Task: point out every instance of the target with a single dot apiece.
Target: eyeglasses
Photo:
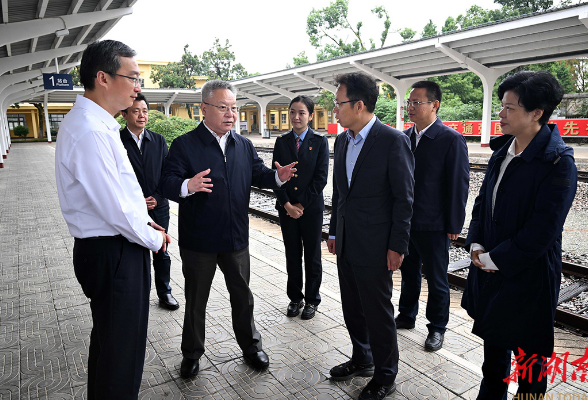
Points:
(408, 103)
(136, 81)
(338, 105)
(224, 109)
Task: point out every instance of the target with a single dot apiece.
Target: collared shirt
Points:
(137, 139)
(510, 155)
(222, 142)
(301, 136)
(354, 147)
(98, 192)
(420, 134)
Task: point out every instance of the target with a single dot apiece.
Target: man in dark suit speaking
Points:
(441, 176)
(209, 172)
(369, 232)
(147, 151)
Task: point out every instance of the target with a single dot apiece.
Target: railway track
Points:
(265, 207)
(474, 167)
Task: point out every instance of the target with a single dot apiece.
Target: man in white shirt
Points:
(105, 211)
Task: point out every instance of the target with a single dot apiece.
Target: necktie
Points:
(297, 143)
(413, 141)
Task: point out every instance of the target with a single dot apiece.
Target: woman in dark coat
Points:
(300, 206)
(515, 234)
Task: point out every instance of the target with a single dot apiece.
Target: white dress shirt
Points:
(222, 142)
(485, 257)
(98, 191)
(138, 139)
(420, 134)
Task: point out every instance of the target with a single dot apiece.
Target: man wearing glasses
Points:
(105, 211)
(147, 151)
(441, 176)
(370, 223)
(209, 172)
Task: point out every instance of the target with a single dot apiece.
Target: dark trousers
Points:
(497, 366)
(303, 235)
(429, 250)
(161, 259)
(199, 269)
(115, 274)
(366, 293)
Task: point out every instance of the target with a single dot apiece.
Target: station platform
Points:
(45, 319)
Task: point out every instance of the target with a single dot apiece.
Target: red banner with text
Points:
(567, 127)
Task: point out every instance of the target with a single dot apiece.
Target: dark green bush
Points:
(20, 131)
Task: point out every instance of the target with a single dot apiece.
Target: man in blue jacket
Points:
(147, 151)
(441, 180)
(209, 171)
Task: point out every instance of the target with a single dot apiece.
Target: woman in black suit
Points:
(300, 205)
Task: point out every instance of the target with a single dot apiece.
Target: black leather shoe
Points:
(434, 341)
(258, 360)
(294, 308)
(168, 301)
(189, 367)
(349, 369)
(403, 323)
(374, 391)
(309, 311)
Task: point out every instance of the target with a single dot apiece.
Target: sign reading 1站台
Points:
(58, 81)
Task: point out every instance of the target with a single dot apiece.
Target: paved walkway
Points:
(45, 319)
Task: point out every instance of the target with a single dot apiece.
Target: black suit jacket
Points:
(312, 164)
(372, 215)
(441, 179)
(147, 162)
(217, 221)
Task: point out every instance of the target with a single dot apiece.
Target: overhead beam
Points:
(276, 89)
(4, 11)
(41, 8)
(374, 72)
(18, 31)
(7, 80)
(320, 84)
(75, 6)
(10, 63)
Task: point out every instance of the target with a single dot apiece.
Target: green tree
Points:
(329, 24)
(430, 29)
(450, 25)
(75, 76)
(526, 6)
(407, 34)
(579, 70)
(300, 59)
(179, 74)
(219, 62)
(386, 109)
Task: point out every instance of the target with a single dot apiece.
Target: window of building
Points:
(196, 110)
(197, 118)
(272, 119)
(161, 108)
(55, 120)
(16, 120)
(142, 81)
(284, 119)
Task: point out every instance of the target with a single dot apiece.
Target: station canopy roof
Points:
(536, 38)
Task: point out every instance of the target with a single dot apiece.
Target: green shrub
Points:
(169, 127)
(20, 131)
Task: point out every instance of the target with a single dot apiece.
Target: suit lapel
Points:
(369, 142)
(340, 157)
(291, 142)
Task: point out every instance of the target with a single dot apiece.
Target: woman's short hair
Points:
(307, 101)
(536, 90)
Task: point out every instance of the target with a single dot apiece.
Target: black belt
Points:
(100, 237)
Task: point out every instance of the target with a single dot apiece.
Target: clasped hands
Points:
(166, 237)
(199, 182)
(294, 210)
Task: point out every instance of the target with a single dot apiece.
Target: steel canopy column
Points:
(488, 77)
(400, 87)
(262, 103)
(46, 108)
(168, 104)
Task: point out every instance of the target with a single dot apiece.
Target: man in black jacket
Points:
(214, 220)
(147, 151)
